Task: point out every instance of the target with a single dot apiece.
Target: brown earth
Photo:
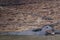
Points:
(29, 16)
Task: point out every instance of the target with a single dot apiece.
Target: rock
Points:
(30, 16)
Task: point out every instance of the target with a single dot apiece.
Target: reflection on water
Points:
(28, 32)
(43, 31)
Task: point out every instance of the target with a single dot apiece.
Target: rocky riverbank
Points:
(30, 16)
